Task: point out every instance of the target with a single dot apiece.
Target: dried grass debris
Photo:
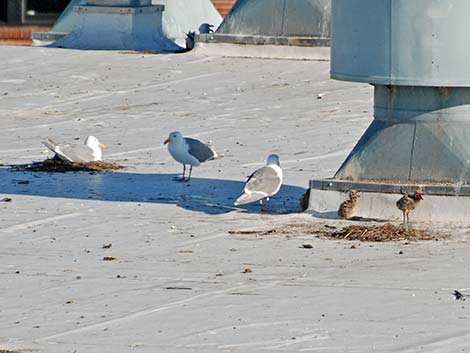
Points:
(55, 165)
(359, 232)
(109, 258)
(260, 233)
(379, 233)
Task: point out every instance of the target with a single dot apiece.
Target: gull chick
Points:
(263, 183)
(346, 209)
(190, 151)
(72, 153)
(409, 203)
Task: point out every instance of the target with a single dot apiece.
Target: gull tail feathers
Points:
(217, 156)
(248, 198)
(50, 144)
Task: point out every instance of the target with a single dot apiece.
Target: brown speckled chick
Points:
(346, 209)
(409, 203)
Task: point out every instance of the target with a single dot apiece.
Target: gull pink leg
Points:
(184, 172)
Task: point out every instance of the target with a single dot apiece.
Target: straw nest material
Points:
(379, 233)
(56, 165)
(367, 233)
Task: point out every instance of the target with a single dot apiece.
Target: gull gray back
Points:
(200, 150)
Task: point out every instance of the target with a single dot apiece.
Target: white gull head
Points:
(96, 146)
(174, 137)
(273, 159)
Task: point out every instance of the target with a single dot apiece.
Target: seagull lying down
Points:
(72, 153)
(263, 183)
(190, 151)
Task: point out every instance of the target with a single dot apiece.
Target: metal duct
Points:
(412, 52)
(102, 27)
(401, 42)
(180, 17)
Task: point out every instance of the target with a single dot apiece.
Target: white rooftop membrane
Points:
(179, 281)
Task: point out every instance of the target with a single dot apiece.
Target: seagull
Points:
(409, 203)
(190, 151)
(263, 183)
(72, 153)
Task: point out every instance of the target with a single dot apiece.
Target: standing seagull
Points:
(409, 203)
(72, 153)
(189, 151)
(263, 183)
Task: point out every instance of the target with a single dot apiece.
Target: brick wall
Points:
(223, 6)
(19, 35)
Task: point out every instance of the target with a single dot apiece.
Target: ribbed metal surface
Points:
(306, 41)
(180, 17)
(124, 10)
(419, 134)
(67, 18)
(389, 188)
(278, 18)
(401, 42)
(118, 28)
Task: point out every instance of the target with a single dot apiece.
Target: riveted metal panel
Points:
(278, 18)
(67, 19)
(401, 42)
(428, 39)
(419, 134)
(118, 28)
(390, 188)
(311, 17)
(379, 154)
(360, 46)
(254, 17)
(442, 152)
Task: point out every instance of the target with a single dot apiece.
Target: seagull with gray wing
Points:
(90, 151)
(263, 183)
(190, 151)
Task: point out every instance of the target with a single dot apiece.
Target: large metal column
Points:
(413, 52)
(419, 134)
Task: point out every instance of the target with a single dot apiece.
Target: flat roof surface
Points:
(180, 282)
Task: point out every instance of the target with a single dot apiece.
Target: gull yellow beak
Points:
(102, 145)
(166, 141)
